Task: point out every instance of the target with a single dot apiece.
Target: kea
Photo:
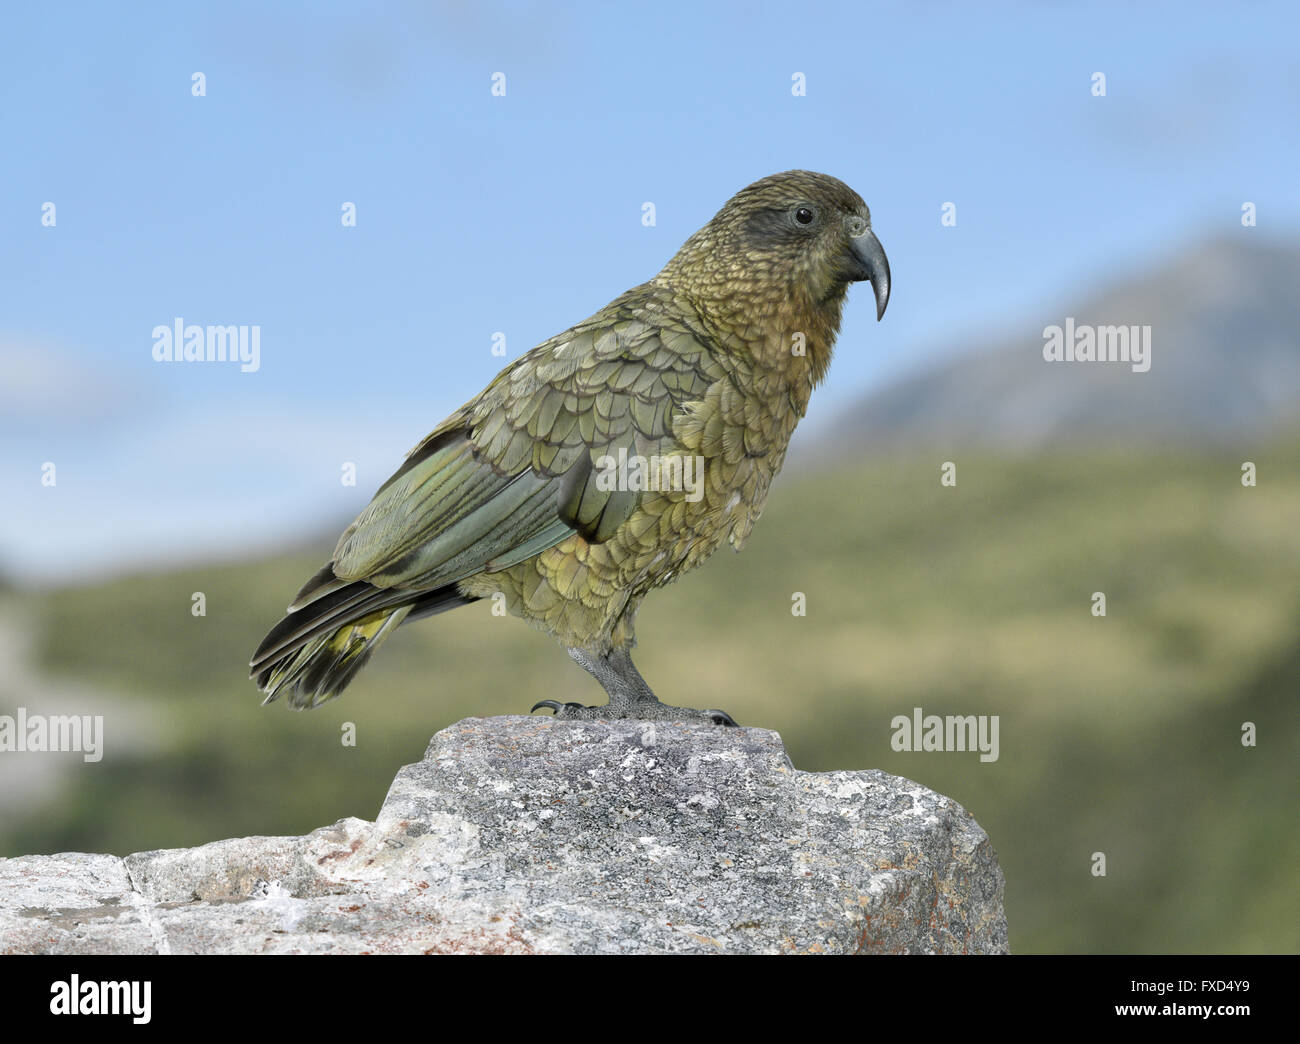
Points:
(605, 462)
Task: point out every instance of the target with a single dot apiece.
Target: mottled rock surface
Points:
(528, 835)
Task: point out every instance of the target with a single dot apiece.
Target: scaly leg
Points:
(629, 695)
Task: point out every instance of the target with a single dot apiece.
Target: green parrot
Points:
(607, 461)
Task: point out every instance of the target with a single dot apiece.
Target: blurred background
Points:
(480, 214)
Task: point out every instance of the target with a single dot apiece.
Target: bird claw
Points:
(555, 706)
(564, 710)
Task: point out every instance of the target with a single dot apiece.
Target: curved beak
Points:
(871, 264)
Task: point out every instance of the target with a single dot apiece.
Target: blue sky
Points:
(522, 213)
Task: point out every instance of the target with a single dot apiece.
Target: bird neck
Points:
(782, 329)
(808, 327)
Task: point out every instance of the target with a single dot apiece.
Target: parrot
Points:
(607, 461)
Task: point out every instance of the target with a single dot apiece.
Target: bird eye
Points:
(804, 216)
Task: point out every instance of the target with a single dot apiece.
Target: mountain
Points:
(1224, 320)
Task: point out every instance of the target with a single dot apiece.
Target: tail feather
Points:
(324, 616)
(321, 669)
(330, 633)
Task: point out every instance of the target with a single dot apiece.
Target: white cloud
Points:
(44, 384)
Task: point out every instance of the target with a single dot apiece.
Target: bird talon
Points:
(721, 718)
(557, 707)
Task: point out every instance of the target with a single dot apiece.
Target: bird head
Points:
(800, 234)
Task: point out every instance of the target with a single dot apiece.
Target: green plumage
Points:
(508, 494)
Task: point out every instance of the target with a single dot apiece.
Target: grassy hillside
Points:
(1118, 735)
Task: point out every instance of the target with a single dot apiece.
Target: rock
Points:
(528, 835)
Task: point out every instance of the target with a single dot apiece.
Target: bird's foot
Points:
(641, 709)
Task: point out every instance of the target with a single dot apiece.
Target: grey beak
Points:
(873, 266)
